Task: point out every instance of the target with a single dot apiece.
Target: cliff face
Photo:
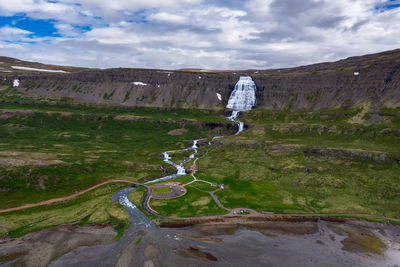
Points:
(319, 86)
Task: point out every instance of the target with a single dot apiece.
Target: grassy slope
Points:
(278, 182)
(203, 186)
(161, 190)
(193, 203)
(93, 207)
(94, 150)
(98, 150)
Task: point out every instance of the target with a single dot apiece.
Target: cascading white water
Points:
(180, 169)
(243, 98)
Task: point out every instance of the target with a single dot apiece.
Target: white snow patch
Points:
(219, 97)
(158, 86)
(140, 83)
(35, 69)
(356, 73)
(256, 72)
(16, 83)
(169, 74)
(199, 77)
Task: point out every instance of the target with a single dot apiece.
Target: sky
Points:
(208, 34)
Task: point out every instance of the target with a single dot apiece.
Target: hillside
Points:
(314, 87)
(321, 145)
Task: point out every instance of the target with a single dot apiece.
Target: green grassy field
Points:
(47, 153)
(193, 204)
(277, 181)
(91, 151)
(55, 150)
(161, 190)
(137, 195)
(259, 173)
(203, 186)
(93, 207)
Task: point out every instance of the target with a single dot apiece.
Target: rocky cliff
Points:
(372, 80)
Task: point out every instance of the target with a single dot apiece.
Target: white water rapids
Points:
(242, 98)
(180, 170)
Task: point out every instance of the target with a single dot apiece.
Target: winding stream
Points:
(242, 98)
(288, 250)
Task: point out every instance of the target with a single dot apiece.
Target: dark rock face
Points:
(319, 86)
(375, 156)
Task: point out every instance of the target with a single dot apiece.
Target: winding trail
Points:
(219, 204)
(55, 200)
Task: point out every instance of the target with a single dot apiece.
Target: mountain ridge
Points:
(371, 80)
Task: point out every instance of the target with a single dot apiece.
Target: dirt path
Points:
(219, 204)
(236, 212)
(54, 200)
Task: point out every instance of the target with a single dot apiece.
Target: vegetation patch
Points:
(137, 195)
(279, 176)
(203, 186)
(84, 151)
(161, 190)
(193, 203)
(93, 207)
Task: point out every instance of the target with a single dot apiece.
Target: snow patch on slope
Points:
(219, 97)
(16, 83)
(140, 83)
(36, 69)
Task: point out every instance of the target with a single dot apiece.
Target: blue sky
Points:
(219, 34)
(38, 27)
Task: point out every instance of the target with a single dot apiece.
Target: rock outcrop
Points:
(343, 84)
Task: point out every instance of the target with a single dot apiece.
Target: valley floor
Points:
(323, 163)
(222, 244)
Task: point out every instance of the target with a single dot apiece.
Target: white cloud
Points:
(10, 31)
(36, 8)
(167, 17)
(191, 33)
(13, 34)
(132, 5)
(112, 35)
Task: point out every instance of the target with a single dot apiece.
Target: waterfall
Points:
(242, 98)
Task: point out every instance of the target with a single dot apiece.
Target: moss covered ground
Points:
(46, 153)
(93, 207)
(161, 190)
(292, 181)
(49, 153)
(267, 168)
(193, 204)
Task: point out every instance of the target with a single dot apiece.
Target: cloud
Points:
(167, 17)
(216, 34)
(36, 8)
(12, 33)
